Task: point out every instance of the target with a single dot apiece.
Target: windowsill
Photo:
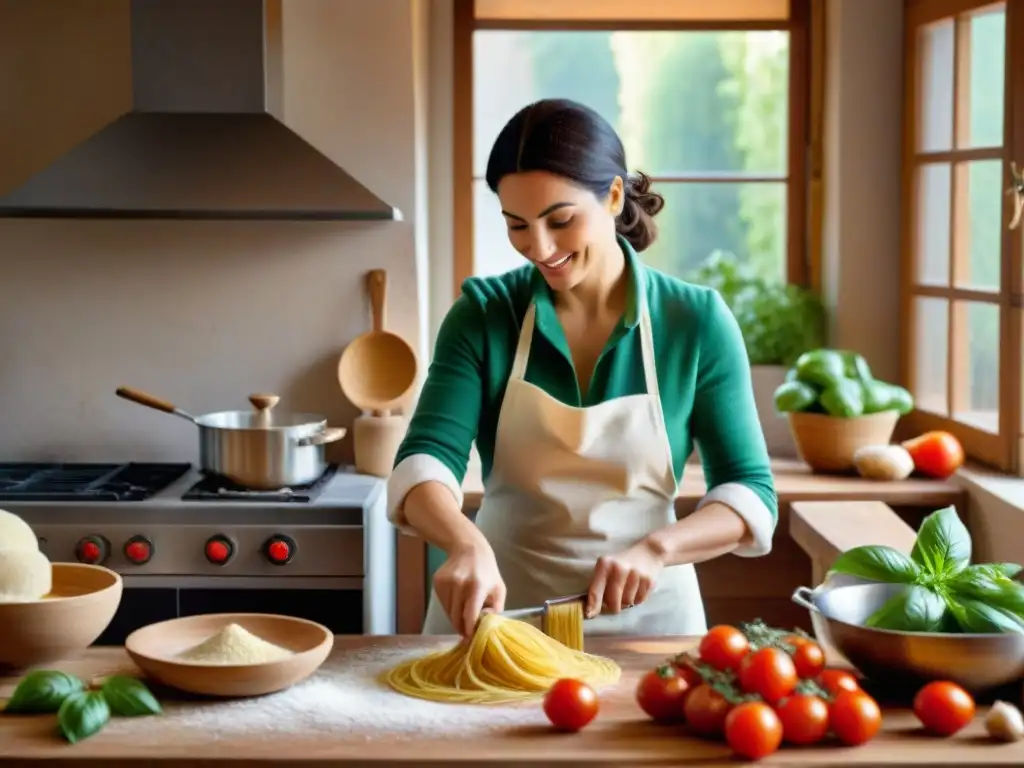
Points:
(996, 485)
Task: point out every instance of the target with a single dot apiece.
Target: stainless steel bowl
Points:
(975, 661)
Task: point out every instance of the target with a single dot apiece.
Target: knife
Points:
(540, 610)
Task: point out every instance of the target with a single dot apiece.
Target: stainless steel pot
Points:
(978, 662)
(262, 449)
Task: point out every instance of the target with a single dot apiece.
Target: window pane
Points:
(619, 10)
(978, 231)
(931, 353)
(931, 220)
(935, 87)
(976, 363)
(682, 101)
(747, 220)
(982, 105)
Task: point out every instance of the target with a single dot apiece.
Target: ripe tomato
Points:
(836, 680)
(855, 717)
(705, 710)
(723, 647)
(687, 672)
(809, 660)
(796, 640)
(943, 707)
(570, 704)
(661, 693)
(804, 719)
(753, 730)
(936, 454)
(770, 673)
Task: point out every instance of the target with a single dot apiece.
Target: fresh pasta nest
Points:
(504, 660)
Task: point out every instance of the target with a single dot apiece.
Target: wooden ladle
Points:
(377, 371)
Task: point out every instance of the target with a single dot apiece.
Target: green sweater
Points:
(703, 375)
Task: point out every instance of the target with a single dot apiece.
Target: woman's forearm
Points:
(432, 511)
(712, 531)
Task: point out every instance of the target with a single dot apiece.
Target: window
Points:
(711, 100)
(962, 284)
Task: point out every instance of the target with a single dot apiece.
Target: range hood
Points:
(199, 142)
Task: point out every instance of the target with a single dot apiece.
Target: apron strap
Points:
(523, 347)
(647, 350)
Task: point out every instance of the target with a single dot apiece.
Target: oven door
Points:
(337, 603)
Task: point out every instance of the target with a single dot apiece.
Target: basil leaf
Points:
(987, 584)
(943, 545)
(978, 617)
(1006, 570)
(915, 609)
(878, 563)
(82, 715)
(42, 692)
(129, 697)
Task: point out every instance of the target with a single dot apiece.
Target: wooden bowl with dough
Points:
(80, 605)
(155, 650)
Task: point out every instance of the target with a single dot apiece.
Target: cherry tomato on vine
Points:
(943, 707)
(570, 704)
(836, 680)
(809, 660)
(770, 673)
(662, 692)
(705, 710)
(854, 717)
(804, 719)
(753, 730)
(723, 647)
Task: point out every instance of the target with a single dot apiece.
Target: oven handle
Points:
(243, 582)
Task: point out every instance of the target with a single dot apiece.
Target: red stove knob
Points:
(92, 550)
(138, 550)
(219, 550)
(279, 549)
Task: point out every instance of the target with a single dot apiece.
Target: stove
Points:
(188, 543)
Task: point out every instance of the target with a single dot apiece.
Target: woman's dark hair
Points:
(569, 139)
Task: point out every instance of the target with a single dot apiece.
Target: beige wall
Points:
(202, 313)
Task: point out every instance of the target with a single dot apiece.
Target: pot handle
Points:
(802, 596)
(329, 435)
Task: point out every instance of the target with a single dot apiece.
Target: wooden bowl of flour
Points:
(230, 654)
(81, 604)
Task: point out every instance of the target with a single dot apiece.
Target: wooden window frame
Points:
(1004, 450)
(803, 154)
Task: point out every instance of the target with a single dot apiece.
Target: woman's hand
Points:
(468, 584)
(624, 579)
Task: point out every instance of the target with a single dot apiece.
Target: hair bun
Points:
(638, 188)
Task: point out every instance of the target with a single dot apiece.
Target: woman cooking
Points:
(585, 378)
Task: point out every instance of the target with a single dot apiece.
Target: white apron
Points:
(572, 484)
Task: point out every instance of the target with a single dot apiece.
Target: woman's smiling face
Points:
(557, 225)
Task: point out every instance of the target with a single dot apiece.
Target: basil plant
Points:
(944, 592)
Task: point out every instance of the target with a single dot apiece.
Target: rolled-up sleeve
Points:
(728, 432)
(444, 424)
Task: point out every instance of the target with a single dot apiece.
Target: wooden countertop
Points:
(794, 481)
(310, 725)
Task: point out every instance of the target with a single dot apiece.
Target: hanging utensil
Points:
(261, 449)
(377, 371)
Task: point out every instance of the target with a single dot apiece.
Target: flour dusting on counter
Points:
(343, 698)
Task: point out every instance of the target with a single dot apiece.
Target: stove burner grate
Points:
(216, 488)
(23, 481)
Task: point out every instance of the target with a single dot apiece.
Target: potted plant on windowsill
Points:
(779, 323)
(835, 407)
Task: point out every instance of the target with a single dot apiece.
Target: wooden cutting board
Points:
(341, 715)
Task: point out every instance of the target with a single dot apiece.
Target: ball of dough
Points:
(25, 576)
(15, 534)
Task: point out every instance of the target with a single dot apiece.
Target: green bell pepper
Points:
(880, 396)
(844, 399)
(794, 396)
(821, 367)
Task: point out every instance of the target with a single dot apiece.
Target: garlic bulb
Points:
(1004, 722)
(883, 462)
